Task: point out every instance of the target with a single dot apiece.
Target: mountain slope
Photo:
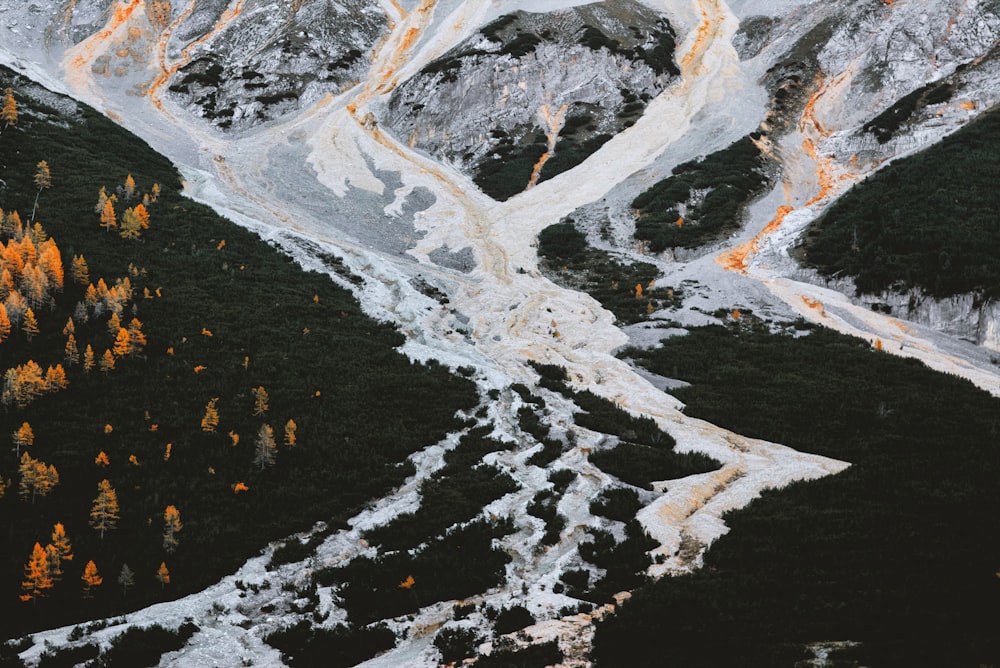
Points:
(457, 270)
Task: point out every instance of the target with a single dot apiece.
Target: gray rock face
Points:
(276, 57)
(526, 77)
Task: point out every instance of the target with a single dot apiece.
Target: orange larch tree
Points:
(8, 112)
(104, 512)
(23, 436)
(88, 358)
(91, 578)
(80, 270)
(70, 351)
(108, 215)
(107, 362)
(211, 418)
(4, 323)
(61, 542)
(43, 181)
(163, 574)
(260, 400)
(30, 325)
(36, 575)
(290, 427)
(55, 563)
(171, 525)
(123, 343)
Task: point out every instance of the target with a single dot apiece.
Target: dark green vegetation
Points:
(461, 563)
(544, 505)
(644, 454)
(455, 494)
(898, 552)
(926, 221)
(625, 562)
(885, 125)
(305, 646)
(619, 503)
(138, 647)
(360, 406)
(569, 261)
(713, 190)
(532, 656)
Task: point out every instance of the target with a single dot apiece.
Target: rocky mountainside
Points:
(426, 145)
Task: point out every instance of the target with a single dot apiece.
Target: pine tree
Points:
(260, 399)
(36, 575)
(43, 181)
(30, 325)
(211, 419)
(104, 512)
(290, 428)
(172, 524)
(28, 471)
(102, 459)
(126, 578)
(163, 574)
(88, 358)
(129, 189)
(55, 378)
(61, 542)
(91, 578)
(265, 449)
(114, 323)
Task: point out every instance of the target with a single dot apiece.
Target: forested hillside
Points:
(177, 392)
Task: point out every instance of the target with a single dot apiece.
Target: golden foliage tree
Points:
(171, 525)
(88, 358)
(30, 324)
(211, 418)
(37, 579)
(4, 323)
(102, 459)
(136, 336)
(37, 477)
(80, 270)
(265, 447)
(55, 563)
(91, 578)
(23, 437)
(104, 512)
(129, 189)
(60, 541)
(163, 574)
(108, 219)
(260, 400)
(71, 352)
(123, 343)
(290, 427)
(130, 228)
(8, 112)
(107, 362)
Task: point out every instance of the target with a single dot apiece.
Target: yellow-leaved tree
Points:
(163, 574)
(104, 512)
(91, 578)
(211, 418)
(171, 525)
(8, 112)
(37, 579)
(43, 181)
